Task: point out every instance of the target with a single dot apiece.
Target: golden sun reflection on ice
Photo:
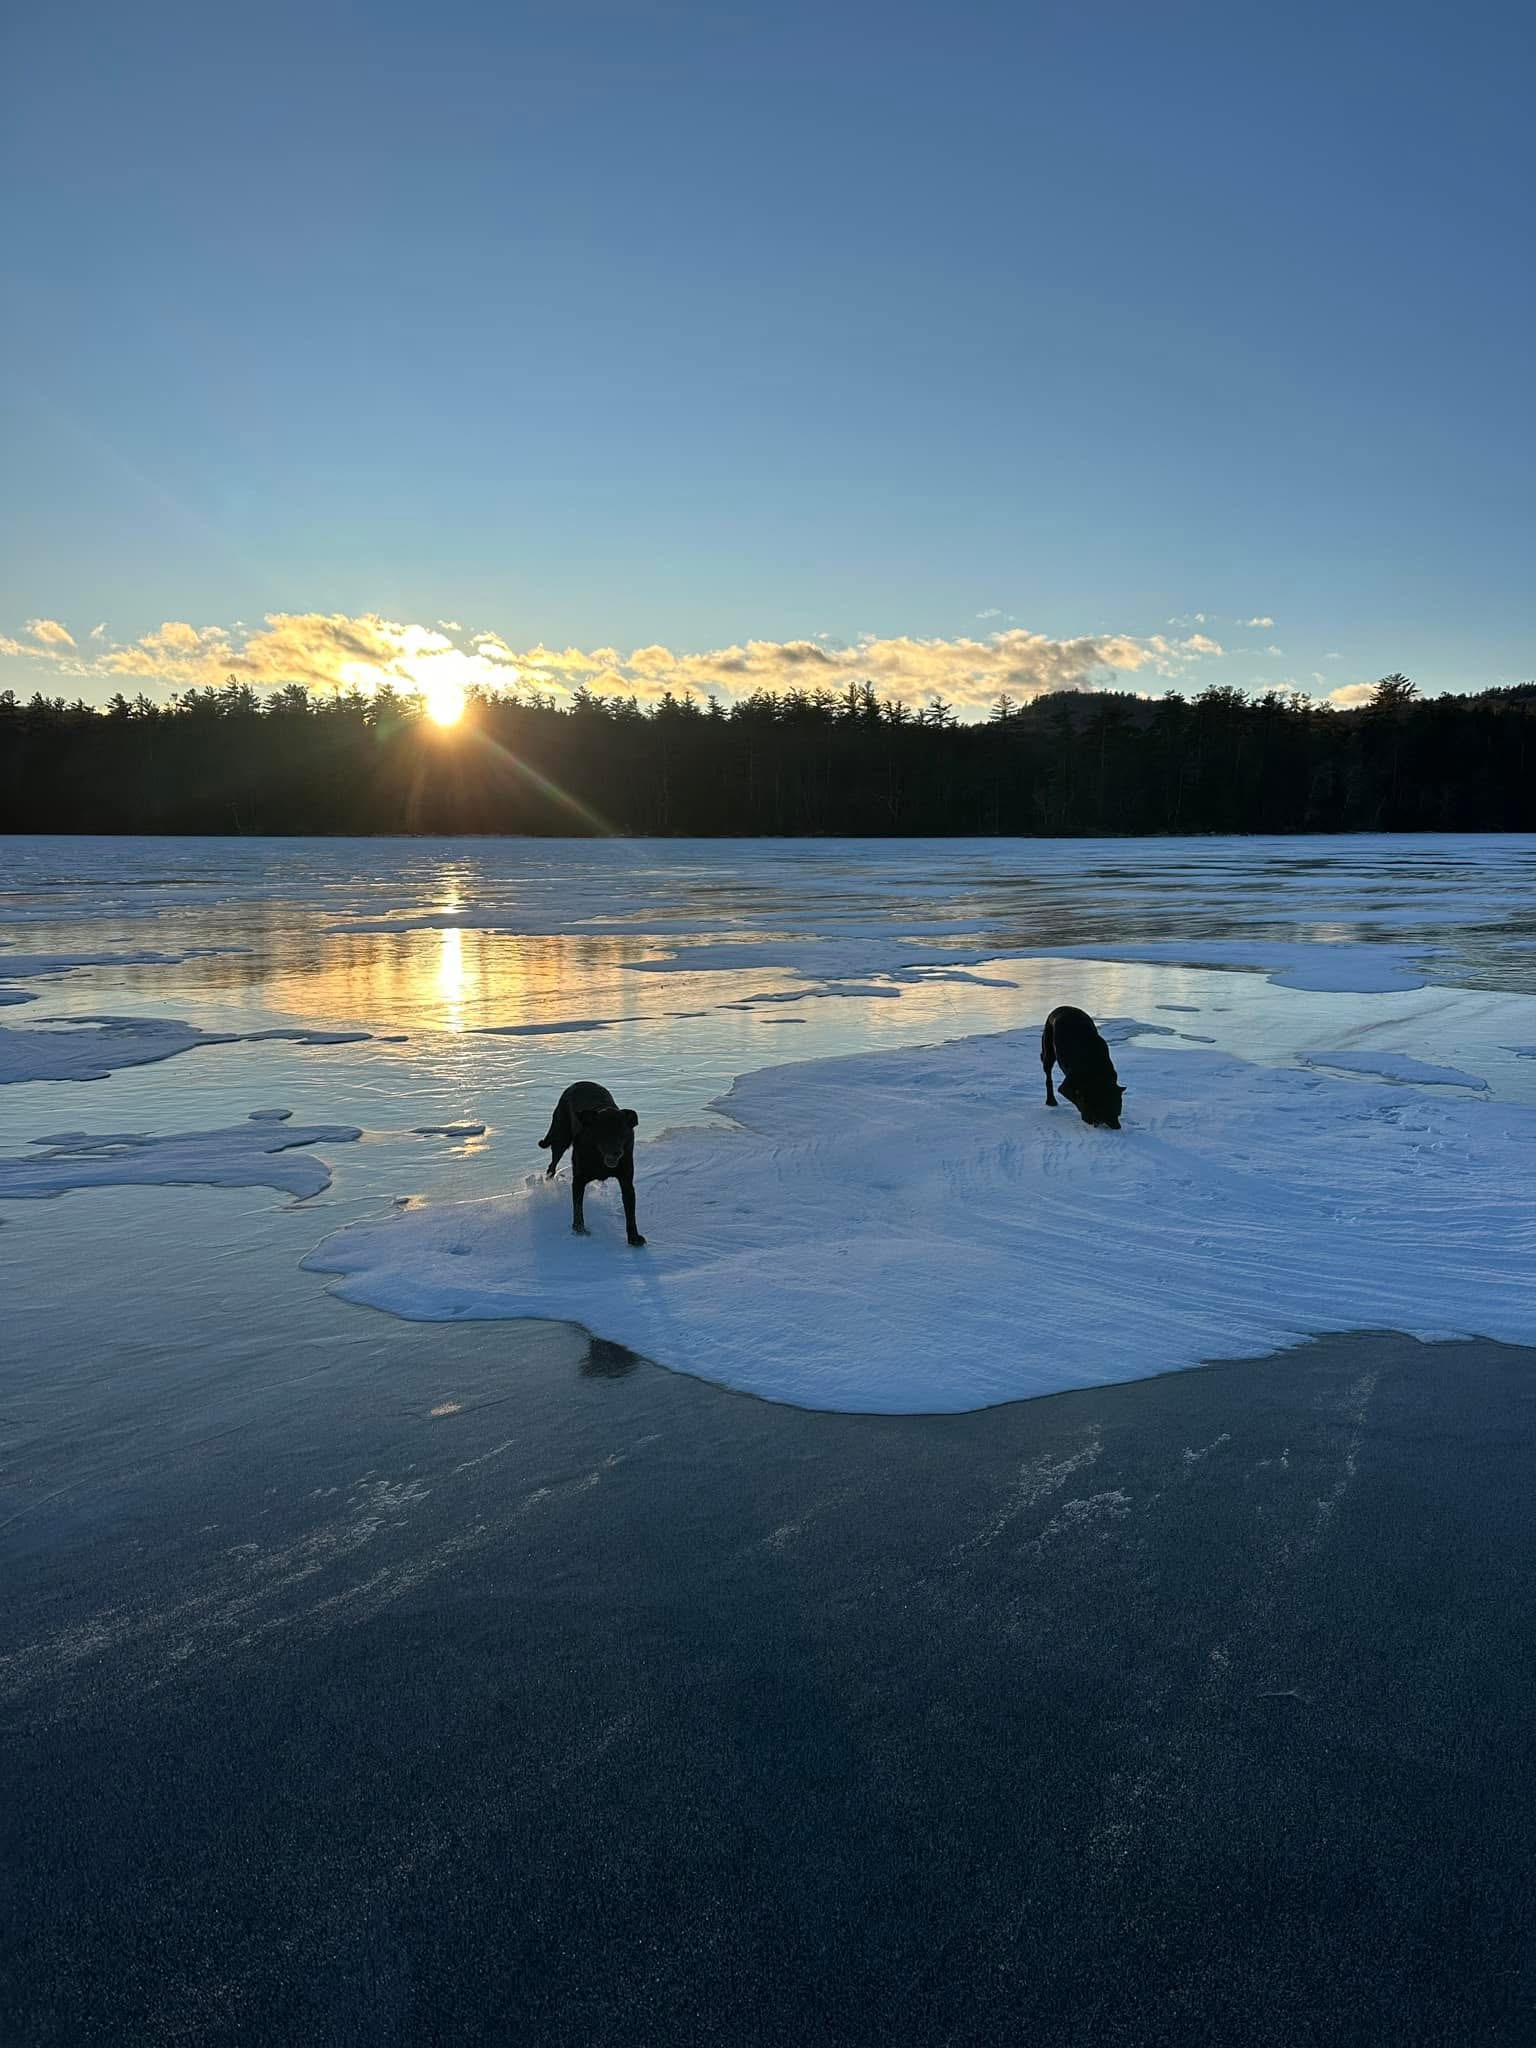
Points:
(453, 977)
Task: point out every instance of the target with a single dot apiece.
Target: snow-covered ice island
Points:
(915, 1232)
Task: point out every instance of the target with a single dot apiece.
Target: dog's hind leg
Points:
(1048, 1060)
(556, 1141)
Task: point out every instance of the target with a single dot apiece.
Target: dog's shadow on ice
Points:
(606, 1360)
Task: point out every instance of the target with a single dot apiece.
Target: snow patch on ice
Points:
(32, 966)
(1393, 1066)
(257, 1153)
(90, 1048)
(449, 1130)
(914, 1231)
(1338, 967)
(304, 1037)
(552, 1030)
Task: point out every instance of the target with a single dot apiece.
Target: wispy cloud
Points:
(334, 651)
(50, 633)
(993, 611)
(1274, 650)
(99, 632)
(1263, 620)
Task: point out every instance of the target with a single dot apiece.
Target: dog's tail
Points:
(548, 1139)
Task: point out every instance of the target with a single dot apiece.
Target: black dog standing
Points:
(600, 1138)
(1071, 1041)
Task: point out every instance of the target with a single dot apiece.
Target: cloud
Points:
(50, 633)
(1191, 619)
(1274, 650)
(334, 651)
(450, 625)
(99, 632)
(1333, 657)
(1352, 695)
(1263, 620)
(994, 611)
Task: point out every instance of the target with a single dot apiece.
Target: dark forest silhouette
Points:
(228, 760)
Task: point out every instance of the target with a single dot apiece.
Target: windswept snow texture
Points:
(257, 1153)
(914, 1231)
(1394, 1066)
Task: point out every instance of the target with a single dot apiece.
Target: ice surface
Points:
(915, 1231)
(1393, 1066)
(257, 1153)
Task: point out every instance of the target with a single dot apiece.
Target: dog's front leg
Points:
(1048, 1060)
(578, 1193)
(627, 1192)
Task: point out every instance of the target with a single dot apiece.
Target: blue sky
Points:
(604, 328)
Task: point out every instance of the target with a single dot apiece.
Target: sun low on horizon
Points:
(445, 703)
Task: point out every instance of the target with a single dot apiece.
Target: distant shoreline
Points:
(1073, 764)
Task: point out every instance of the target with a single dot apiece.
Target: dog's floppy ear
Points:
(629, 1117)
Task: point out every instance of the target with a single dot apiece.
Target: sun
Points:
(445, 703)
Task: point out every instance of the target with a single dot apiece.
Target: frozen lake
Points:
(445, 986)
(387, 1680)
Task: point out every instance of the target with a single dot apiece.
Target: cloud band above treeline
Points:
(331, 651)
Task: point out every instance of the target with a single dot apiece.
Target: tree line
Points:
(230, 760)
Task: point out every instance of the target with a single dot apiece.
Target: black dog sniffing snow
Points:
(1071, 1041)
(600, 1138)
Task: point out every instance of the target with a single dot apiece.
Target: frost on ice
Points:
(914, 1230)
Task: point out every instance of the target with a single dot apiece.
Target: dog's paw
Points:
(580, 1230)
(637, 1239)
(549, 1171)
